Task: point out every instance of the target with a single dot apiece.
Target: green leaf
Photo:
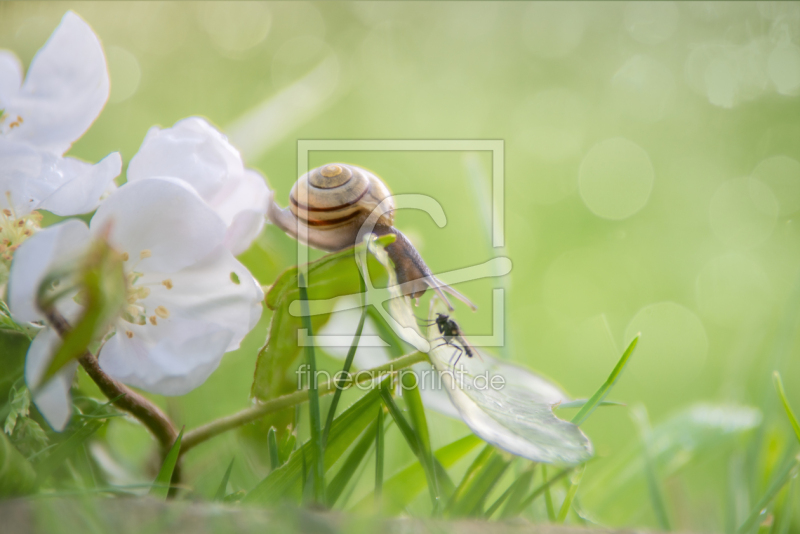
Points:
(419, 423)
(786, 406)
(403, 487)
(286, 481)
(351, 463)
(17, 476)
(18, 407)
(161, 485)
(13, 347)
(103, 293)
(315, 418)
(61, 452)
(604, 390)
(348, 363)
(331, 276)
(223, 485)
(573, 489)
(481, 477)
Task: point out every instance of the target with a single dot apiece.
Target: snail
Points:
(337, 203)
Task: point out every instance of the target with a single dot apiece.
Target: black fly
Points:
(452, 334)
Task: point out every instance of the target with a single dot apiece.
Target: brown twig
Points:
(124, 397)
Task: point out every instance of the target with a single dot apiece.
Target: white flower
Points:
(195, 152)
(188, 299)
(65, 90)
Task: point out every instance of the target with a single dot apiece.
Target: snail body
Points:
(336, 204)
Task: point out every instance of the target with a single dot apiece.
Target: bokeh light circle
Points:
(615, 178)
(743, 212)
(673, 345)
(782, 175)
(651, 22)
(125, 74)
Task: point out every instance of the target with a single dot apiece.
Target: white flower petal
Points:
(193, 151)
(517, 415)
(10, 77)
(170, 359)
(65, 89)
(85, 185)
(206, 292)
(36, 257)
(161, 217)
(196, 153)
(244, 210)
(53, 399)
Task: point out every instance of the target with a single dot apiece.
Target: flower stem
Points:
(248, 415)
(124, 397)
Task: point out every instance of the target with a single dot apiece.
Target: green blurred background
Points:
(651, 174)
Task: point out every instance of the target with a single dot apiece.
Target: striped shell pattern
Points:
(336, 194)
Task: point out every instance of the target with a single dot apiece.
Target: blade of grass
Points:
(573, 489)
(351, 463)
(785, 517)
(419, 423)
(379, 455)
(469, 498)
(317, 443)
(274, 453)
(786, 473)
(348, 362)
(403, 487)
(161, 485)
(526, 475)
(518, 491)
(776, 377)
(540, 490)
(640, 418)
(548, 497)
(223, 485)
(486, 454)
(601, 393)
(287, 480)
(400, 421)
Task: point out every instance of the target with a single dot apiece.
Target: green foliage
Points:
(419, 425)
(58, 455)
(17, 476)
(286, 481)
(471, 494)
(786, 406)
(163, 481)
(350, 466)
(317, 442)
(605, 389)
(223, 485)
(400, 489)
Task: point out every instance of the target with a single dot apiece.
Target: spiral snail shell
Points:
(335, 202)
